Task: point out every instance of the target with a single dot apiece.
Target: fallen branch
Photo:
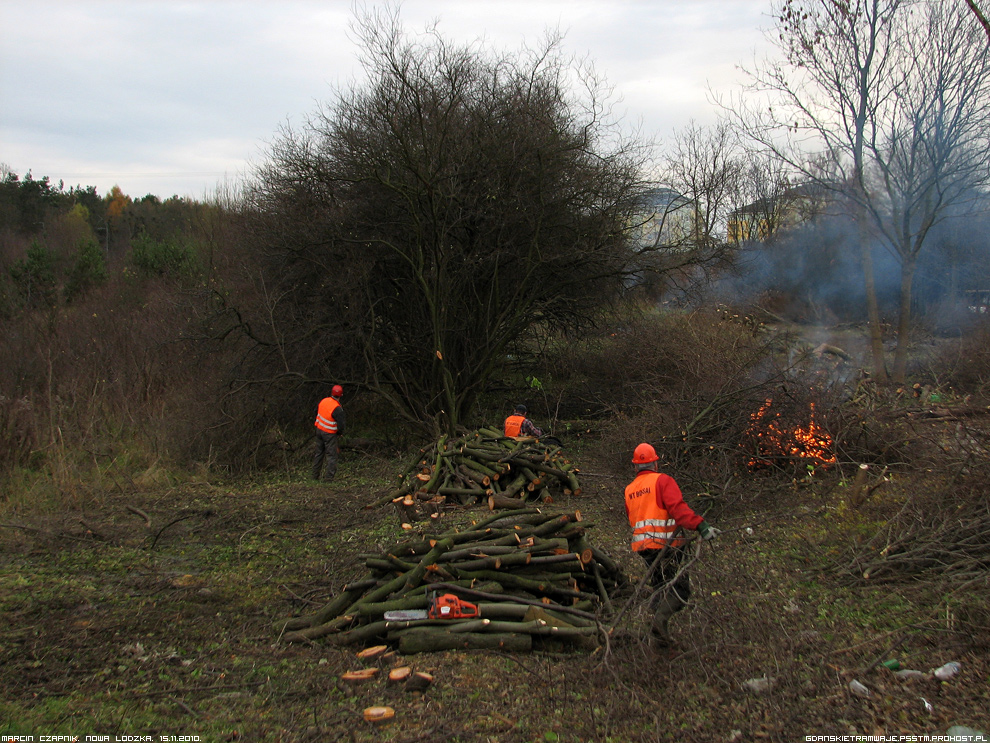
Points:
(142, 514)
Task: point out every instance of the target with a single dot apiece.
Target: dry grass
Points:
(167, 622)
(171, 626)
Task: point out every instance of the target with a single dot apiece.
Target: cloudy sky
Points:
(175, 98)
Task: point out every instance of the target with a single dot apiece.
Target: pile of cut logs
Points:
(534, 577)
(483, 467)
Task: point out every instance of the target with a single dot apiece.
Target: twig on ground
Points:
(171, 523)
(22, 527)
(297, 596)
(142, 514)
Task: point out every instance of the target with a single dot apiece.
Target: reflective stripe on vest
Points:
(652, 526)
(513, 424)
(324, 416)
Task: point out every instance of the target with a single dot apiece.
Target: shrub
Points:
(18, 435)
(89, 269)
(683, 381)
(171, 256)
(34, 277)
(966, 365)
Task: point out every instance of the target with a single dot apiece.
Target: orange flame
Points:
(772, 440)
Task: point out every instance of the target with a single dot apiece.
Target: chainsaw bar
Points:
(405, 615)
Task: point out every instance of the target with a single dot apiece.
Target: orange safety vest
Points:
(652, 526)
(324, 415)
(513, 424)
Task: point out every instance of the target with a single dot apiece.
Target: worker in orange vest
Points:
(329, 425)
(657, 512)
(518, 424)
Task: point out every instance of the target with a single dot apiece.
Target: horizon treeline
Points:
(129, 327)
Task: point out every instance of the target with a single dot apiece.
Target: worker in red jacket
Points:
(657, 512)
(329, 425)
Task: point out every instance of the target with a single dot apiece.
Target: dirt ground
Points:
(156, 613)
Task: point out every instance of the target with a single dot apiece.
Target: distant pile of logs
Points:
(484, 467)
(533, 576)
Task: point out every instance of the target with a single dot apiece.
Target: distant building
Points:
(762, 219)
(666, 220)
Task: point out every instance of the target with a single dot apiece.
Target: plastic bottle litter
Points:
(909, 673)
(858, 689)
(959, 730)
(759, 685)
(944, 673)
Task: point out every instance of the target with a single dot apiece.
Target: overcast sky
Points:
(174, 98)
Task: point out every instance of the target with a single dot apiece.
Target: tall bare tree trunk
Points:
(872, 305)
(908, 265)
(865, 243)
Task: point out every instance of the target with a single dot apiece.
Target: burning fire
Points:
(772, 440)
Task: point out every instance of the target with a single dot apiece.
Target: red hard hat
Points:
(337, 391)
(644, 454)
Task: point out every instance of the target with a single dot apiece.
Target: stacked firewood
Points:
(483, 467)
(533, 576)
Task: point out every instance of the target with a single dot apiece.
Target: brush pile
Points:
(484, 467)
(533, 576)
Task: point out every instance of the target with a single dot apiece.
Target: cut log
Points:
(600, 586)
(496, 501)
(399, 675)
(476, 477)
(376, 651)
(360, 676)
(858, 487)
(379, 714)
(405, 508)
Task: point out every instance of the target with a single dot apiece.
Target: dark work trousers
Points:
(669, 595)
(325, 456)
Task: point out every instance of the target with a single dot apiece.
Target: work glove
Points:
(707, 532)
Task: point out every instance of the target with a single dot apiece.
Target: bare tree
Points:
(879, 102)
(421, 224)
(822, 95)
(705, 166)
(980, 16)
(931, 152)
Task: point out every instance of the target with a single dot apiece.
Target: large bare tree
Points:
(931, 154)
(822, 93)
(425, 220)
(882, 102)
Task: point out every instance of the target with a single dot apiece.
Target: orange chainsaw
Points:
(445, 606)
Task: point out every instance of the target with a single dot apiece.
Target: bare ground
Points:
(115, 625)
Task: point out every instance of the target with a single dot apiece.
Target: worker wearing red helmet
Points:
(329, 425)
(657, 512)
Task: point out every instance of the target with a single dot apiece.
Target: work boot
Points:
(668, 605)
(660, 630)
